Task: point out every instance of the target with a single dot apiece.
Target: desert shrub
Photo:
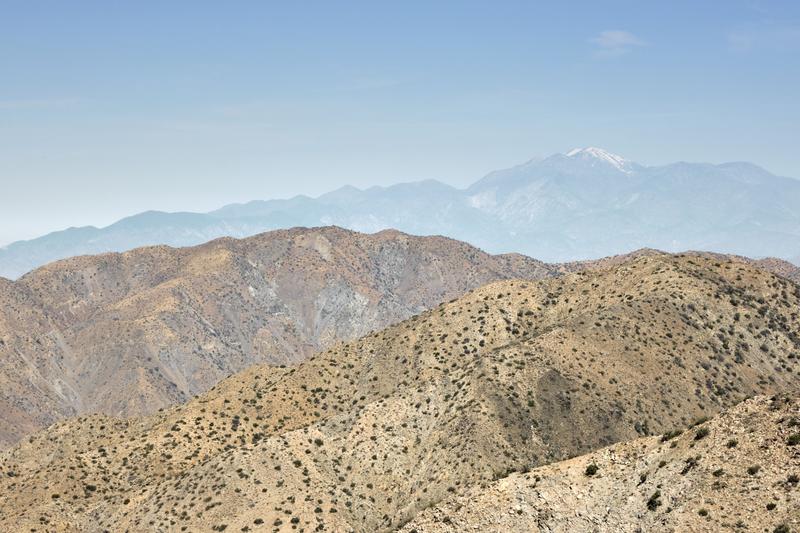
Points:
(670, 435)
(701, 433)
(655, 501)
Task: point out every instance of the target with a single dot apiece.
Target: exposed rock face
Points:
(511, 376)
(126, 334)
(736, 472)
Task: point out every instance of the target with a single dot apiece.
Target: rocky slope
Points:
(128, 333)
(366, 435)
(738, 472)
(777, 266)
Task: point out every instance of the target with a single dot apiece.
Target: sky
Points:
(110, 108)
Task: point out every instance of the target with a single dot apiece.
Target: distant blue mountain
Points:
(583, 204)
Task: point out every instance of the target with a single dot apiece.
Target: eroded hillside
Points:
(738, 472)
(126, 334)
(364, 436)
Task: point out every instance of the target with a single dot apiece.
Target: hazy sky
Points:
(109, 108)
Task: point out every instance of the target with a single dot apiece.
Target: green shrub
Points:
(655, 501)
(670, 435)
(701, 433)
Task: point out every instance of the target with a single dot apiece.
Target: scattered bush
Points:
(670, 435)
(701, 433)
(655, 501)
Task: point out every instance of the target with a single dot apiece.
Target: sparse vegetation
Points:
(468, 397)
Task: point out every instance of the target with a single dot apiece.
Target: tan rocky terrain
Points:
(738, 472)
(128, 333)
(777, 266)
(366, 435)
(28, 399)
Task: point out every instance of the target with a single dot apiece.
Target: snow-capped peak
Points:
(591, 152)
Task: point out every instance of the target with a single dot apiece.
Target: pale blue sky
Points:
(109, 108)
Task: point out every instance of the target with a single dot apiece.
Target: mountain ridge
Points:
(560, 208)
(366, 435)
(127, 333)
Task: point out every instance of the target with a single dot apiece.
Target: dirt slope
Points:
(738, 472)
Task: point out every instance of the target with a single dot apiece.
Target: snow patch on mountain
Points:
(592, 153)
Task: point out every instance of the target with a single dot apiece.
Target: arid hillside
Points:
(738, 472)
(770, 264)
(126, 334)
(366, 435)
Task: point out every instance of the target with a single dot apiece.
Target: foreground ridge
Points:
(740, 471)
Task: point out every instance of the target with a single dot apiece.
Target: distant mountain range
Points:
(583, 204)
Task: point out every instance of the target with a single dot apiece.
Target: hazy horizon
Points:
(110, 110)
(112, 218)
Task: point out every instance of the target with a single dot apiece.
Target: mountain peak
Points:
(593, 153)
